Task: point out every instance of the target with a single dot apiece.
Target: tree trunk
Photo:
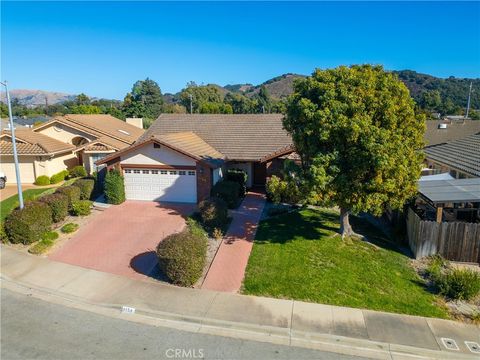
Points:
(345, 228)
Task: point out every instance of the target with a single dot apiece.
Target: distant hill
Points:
(452, 88)
(31, 98)
(278, 87)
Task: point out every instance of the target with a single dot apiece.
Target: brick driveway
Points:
(123, 236)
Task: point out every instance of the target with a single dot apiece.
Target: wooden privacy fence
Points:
(456, 241)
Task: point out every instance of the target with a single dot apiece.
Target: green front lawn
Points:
(298, 256)
(7, 205)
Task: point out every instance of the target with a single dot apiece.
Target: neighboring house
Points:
(181, 156)
(442, 131)
(38, 154)
(66, 141)
(460, 158)
(94, 136)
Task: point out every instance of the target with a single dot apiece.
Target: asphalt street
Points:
(35, 329)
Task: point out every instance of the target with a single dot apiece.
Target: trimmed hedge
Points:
(182, 256)
(58, 203)
(27, 225)
(282, 191)
(228, 191)
(114, 187)
(58, 177)
(239, 176)
(42, 180)
(86, 187)
(81, 207)
(213, 212)
(77, 171)
(72, 193)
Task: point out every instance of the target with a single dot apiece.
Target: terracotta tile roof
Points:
(462, 154)
(193, 145)
(29, 142)
(455, 129)
(99, 125)
(243, 137)
(97, 147)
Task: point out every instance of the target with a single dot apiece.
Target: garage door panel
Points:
(144, 184)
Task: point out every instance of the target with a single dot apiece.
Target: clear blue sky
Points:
(102, 48)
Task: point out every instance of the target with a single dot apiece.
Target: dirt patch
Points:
(213, 245)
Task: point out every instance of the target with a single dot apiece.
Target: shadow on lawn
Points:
(284, 228)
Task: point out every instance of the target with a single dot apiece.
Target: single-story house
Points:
(442, 131)
(181, 156)
(66, 141)
(460, 158)
(38, 155)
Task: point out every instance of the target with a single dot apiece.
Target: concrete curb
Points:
(269, 334)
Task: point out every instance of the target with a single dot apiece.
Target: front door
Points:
(259, 173)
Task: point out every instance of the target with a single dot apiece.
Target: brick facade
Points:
(204, 181)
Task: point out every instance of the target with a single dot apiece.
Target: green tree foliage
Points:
(144, 101)
(85, 109)
(200, 96)
(114, 187)
(358, 137)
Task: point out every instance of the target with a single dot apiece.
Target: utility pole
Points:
(14, 145)
(191, 103)
(468, 101)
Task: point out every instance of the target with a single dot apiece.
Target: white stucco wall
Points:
(59, 163)
(245, 166)
(148, 155)
(64, 133)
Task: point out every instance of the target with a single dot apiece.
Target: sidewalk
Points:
(329, 328)
(228, 267)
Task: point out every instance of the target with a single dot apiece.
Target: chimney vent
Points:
(138, 122)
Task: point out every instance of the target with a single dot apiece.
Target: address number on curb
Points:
(128, 310)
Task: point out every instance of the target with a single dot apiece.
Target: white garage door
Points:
(27, 171)
(161, 185)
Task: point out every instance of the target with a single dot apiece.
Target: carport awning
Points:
(451, 191)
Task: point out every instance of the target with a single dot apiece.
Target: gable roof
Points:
(32, 143)
(455, 129)
(241, 137)
(99, 125)
(462, 154)
(186, 143)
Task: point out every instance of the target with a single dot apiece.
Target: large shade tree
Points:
(359, 139)
(145, 100)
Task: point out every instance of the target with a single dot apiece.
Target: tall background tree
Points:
(359, 139)
(145, 100)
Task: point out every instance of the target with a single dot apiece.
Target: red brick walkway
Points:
(228, 267)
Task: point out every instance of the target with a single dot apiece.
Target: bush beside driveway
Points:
(299, 256)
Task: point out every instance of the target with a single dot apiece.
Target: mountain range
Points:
(454, 89)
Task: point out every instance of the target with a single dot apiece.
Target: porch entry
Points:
(259, 174)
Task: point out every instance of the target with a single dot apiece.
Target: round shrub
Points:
(182, 257)
(58, 177)
(239, 176)
(114, 187)
(77, 171)
(81, 207)
(285, 191)
(58, 203)
(229, 191)
(86, 187)
(42, 180)
(72, 193)
(27, 225)
(69, 228)
(213, 212)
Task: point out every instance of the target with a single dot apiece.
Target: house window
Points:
(191, 173)
(136, 171)
(163, 172)
(173, 173)
(181, 172)
(96, 157)
(156, 146)
(145, 172)
(155, 172)
(128, 171)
